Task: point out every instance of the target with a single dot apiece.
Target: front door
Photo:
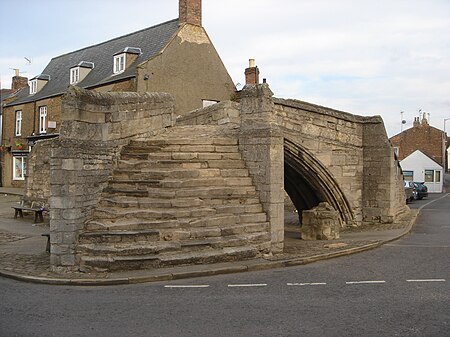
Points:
(433, 180)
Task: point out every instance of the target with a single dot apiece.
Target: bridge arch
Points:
(308, 182)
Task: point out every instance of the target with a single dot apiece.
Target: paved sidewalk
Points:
(23, 256)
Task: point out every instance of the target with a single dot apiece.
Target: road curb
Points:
(238, 267)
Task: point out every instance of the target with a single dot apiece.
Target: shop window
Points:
(19, 168)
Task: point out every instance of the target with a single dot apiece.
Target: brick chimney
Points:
(252, 73)
(190, 11)
(18, 82)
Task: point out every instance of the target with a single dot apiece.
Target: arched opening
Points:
(308, 182)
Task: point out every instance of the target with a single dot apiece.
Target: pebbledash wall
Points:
(352, 152)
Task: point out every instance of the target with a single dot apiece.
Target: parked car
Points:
(421, 190)
(410, 191)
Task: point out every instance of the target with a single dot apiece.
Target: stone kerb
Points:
(261, 145)
(94, 127)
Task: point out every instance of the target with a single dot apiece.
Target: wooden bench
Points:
(38, 210)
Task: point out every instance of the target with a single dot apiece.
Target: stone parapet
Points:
(217, 114)
(88, 115)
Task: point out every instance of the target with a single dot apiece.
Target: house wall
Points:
(30, 125)
(421, 137)
(123, 86)
(190, 69)
(418, 163)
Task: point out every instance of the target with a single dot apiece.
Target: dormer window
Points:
(119, 63)
(80, 71)
(37, 83)
(33, 87)
(124, 58)
(74, 75)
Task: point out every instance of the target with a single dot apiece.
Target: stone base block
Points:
(320, 223)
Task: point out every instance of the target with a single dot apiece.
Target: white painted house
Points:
(421, 168)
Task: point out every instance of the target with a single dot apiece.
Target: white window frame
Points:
(119, 63)
(33, 86)
(43, 119)
(410, 174)
(18, 117)
(74, 75)
(20, 164)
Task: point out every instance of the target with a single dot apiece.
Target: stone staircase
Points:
(184, 197)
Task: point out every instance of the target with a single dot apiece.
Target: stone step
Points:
(139, 164)
(106, 213)
(102, 225)
(242, 214)
(215, 192)
(120, 236)
(178, 139)
(112, 263)
(121, 249)
(166, 164)
(160, 174)
(134, 203)
(145, 203)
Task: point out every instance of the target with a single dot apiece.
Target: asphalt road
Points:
(400, 289)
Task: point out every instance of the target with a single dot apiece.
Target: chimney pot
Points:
(252, 73)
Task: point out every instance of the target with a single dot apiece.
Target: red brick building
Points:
(424, 137)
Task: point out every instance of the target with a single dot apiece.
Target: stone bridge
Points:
(133, 186)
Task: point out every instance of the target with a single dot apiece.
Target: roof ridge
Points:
(116, 38)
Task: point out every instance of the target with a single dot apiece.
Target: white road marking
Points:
(248, 285)
(428, 280)
(430, 202)
(365, 282)
(414, 246)
(307, 284)
(187, 286)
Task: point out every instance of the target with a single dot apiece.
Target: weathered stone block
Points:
(320, 223)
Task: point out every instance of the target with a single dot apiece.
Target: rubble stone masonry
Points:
(94, 127)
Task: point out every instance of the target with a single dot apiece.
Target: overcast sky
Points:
(366, 57)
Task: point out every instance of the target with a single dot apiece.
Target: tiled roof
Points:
(150, 40)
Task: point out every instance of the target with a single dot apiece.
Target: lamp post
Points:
(444, 147)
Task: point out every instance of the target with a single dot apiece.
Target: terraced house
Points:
(169, 57)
